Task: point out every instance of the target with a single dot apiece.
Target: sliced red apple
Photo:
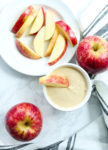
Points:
(38, 22)
(26, 51)
(67, 32)
(26, 24)
(52, 43)
(38, 42)
(28, 11)
(50, 25)
(54, 81)
(58, 50)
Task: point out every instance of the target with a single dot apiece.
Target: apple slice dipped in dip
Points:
(54, 81)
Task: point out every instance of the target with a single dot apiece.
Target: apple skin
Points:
(28, 11)
(62, 54)
(93, 61)
(26, 24)
(54, 81)
(24, 121)
(67, 32)
(26, 51)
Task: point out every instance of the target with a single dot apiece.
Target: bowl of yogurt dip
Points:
(74, 96)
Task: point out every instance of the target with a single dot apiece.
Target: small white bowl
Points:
(89, 83)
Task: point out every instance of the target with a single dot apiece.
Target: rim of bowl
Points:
(89, 83)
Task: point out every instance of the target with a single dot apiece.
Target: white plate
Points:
(8, 48)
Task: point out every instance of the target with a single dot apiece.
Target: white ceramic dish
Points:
(8, 48)
(89, 83)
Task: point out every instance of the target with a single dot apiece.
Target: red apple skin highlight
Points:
(69, 31)
(54, 80)
(24, 121)
(89, 59)
(29, 10)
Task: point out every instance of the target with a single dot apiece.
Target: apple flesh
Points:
(49, 26)
(58, 50)
(38, 22)
(28, 11)
(67, 32)
(52, 43)
(24, 121)
(92, 54)
(39, 42)
(54, 81)
(26, 24)
(26, 51)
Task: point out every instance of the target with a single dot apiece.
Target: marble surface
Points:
(93, 137)
(16, 88)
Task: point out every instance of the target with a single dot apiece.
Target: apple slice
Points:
(23, 17)
(52, 43)
(26, 51)
(38, 22)
(54, 81)
(50, 25)
(67, 32)
(26, 24)
(58, 50)
(39, 42)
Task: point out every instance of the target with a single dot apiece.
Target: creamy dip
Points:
(74, 94)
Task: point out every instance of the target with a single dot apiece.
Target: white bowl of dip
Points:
(78, 92)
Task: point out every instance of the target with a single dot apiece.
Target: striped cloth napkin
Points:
(92, 22)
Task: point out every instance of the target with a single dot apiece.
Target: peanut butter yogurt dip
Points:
(74, 94)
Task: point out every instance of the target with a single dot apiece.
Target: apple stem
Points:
(26, 123)
(96, 47)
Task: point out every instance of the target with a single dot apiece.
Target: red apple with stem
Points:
(24, 121)
(92, 54)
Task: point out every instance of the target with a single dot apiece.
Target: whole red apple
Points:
(92, 54)
(24, 121)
